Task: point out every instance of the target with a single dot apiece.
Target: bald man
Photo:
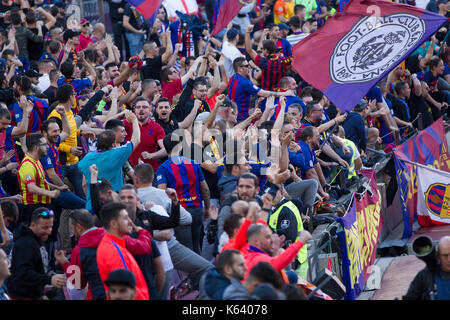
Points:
(433, 283)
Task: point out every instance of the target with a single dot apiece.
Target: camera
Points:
(425, 250)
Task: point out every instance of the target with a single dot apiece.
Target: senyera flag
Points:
(227, 10)
(148, 8)
(357, 47)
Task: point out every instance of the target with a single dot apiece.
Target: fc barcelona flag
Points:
(428, 148)
(225, 11)
(148, 8)
(433, 197)
(356, 48)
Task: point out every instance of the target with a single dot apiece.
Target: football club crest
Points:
(437, 199)
(373, 46)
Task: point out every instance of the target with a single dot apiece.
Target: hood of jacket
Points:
(92, 238)
(215, 284)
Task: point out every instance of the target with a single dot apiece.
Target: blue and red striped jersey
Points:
(184, 175)
(273, 68)
(9, 144)
(51, 160)
(241, 90)
(285, 46)
(38, 115)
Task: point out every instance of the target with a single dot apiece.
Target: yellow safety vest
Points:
(302, 256)
(351, 170)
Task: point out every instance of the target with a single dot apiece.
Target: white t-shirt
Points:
(162, 245)
(230, 52)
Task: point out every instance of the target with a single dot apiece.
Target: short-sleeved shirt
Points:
(171, 88)
(151, 132)
(10, 144)
(51, 160)
(309, 6)
(184, 175)
(77, 84)
(273, 68)
(38, 115)
(430, 80)
(282, 8)
(84, 42)
(151, 68)
(241, 90)
(285, 46)
(137, 21)
(31, 170)
(109, 164)
(309, 158)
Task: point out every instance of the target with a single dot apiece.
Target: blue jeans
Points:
(75, 176)
(69, 200)
(135, 42)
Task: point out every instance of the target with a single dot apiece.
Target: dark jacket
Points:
(422, 285)
(213, 285)
(28, 276)
(22, 36)
(227, 184)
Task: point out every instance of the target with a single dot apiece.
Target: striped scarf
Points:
(187, 42)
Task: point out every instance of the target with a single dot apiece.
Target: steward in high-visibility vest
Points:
(286, 219)
(351, 145)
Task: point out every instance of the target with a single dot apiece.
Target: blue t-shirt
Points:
(309, 158)
(51, 159)
(289, 100)
(109, 164)
(443, 288)
(38, 115)
(78, 84)
(184, 175)
(241, 90)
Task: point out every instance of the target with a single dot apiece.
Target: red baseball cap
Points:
(84, 21)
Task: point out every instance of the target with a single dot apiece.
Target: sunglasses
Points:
(45, 214)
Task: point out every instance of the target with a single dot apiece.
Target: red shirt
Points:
(171, 89)
(151, 132)
(84, 42)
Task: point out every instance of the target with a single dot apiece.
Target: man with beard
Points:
(165, 118)
(112, 253)
(247, 188)
(199, 92)
(152, 135)
(34, 188)
(261, 248)
(30, 259)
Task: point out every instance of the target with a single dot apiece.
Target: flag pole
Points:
(425, 167)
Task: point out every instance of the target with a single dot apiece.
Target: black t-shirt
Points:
(418, 105)
(151, 68)
(399, 107)
(51, 94)
(137, 21)
(205, 154)
(169, 126)
(114, 6)
(35, 49)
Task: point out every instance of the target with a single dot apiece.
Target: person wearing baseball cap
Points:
(121, 285)
(33, 75)
(85, 35)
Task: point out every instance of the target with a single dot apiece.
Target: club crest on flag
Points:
(374, 45)
(437, 199)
